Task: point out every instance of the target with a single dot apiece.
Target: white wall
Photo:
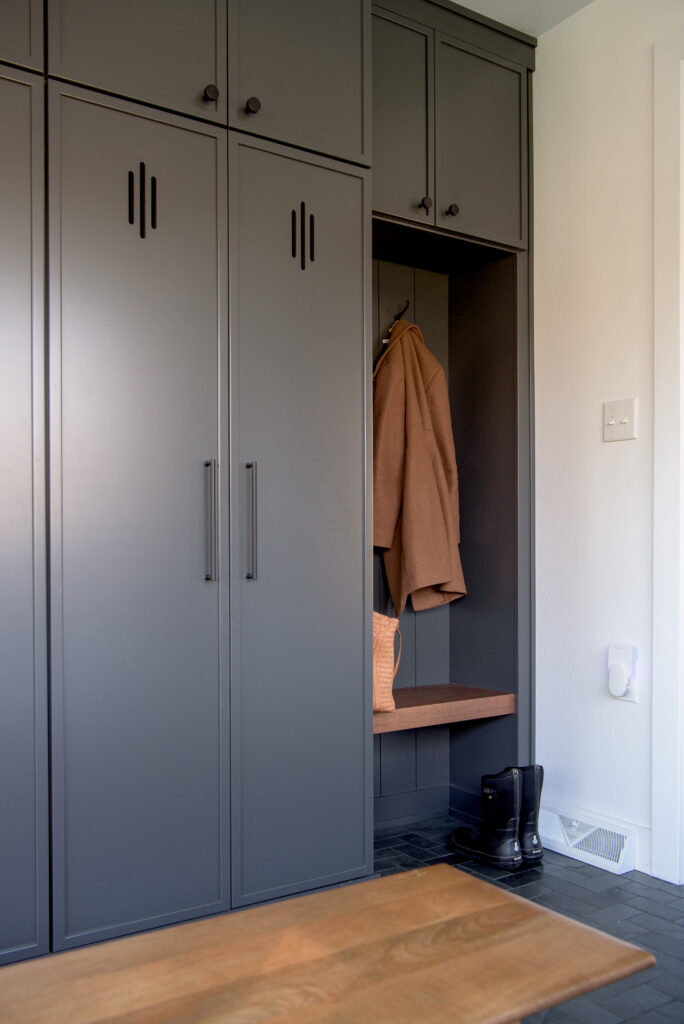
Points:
(593, 181)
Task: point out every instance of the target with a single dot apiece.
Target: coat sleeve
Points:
(440, 411)
(389, 449)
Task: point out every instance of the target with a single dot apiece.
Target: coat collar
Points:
(398, 330)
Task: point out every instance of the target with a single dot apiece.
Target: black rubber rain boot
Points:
(530, 843)
(496, 839)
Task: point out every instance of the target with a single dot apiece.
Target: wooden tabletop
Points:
(431, 946)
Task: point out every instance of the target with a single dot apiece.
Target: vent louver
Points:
(596, 842)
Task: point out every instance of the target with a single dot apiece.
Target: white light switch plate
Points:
(620, 420)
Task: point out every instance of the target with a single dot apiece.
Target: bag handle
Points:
(396, 667)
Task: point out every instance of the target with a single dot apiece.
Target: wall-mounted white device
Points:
(622, 671)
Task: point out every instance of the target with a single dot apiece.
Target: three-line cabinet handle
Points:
(211, 549)
(251, 573)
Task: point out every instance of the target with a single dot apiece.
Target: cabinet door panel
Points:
(23, 689)
(158, 51)
(301, 712)
(403, 171)
(139, 708)
(21, 33)
(308, 63)
(481, 158)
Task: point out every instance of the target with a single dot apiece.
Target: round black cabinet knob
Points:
(426, 202)
(210, 94)
(452, 210)
(253, 105)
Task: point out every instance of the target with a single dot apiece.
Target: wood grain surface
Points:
(431, 946)
(418, 706)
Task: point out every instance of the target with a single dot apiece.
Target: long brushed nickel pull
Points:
(211, 553)
(251, 573)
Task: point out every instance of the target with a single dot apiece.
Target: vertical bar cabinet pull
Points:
(211, 552)
(251, 573)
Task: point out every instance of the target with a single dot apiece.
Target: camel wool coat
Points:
(415, 497)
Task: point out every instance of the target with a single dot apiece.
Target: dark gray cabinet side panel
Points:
(526, 680)
(21, 33)
(481, 144)
(308, 63)
(301, 708)
(23, 686)
(483, 378)
(485, 625)
(403, 110)
(137, 360)
(161, 51)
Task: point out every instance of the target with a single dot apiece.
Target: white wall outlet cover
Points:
(622, 672)
(620, 420)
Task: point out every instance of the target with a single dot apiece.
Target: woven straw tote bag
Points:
(384, 667)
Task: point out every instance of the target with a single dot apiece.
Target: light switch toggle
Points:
(622, 671)
(620, 420)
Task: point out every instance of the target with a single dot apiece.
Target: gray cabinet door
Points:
(23, 690)
(403, 129)
(138, 492)
(21, 33)
(481, 144)
(301, 710)
(164, 52)
(308, 65)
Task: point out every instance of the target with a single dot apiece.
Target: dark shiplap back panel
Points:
(408, 765)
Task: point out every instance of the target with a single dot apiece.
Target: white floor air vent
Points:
(596, 842)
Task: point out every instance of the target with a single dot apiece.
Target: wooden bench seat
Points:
(420, 706)
(431, 946)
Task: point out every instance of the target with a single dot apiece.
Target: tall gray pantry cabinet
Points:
(138, 433)
(24, 891)
(300, 710)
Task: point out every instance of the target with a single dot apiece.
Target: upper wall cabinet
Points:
(21, 33)
(449, 132)
(403, 107)
(300, 73)
(480, 144)
(170, 54)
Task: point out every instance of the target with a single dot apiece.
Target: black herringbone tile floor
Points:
(632, 906)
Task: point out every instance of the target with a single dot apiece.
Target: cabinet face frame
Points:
(30, 56)
(242, 559)
(517, 240)
(38, 609)
(419, 216)
(62, 938)
(118, 86)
